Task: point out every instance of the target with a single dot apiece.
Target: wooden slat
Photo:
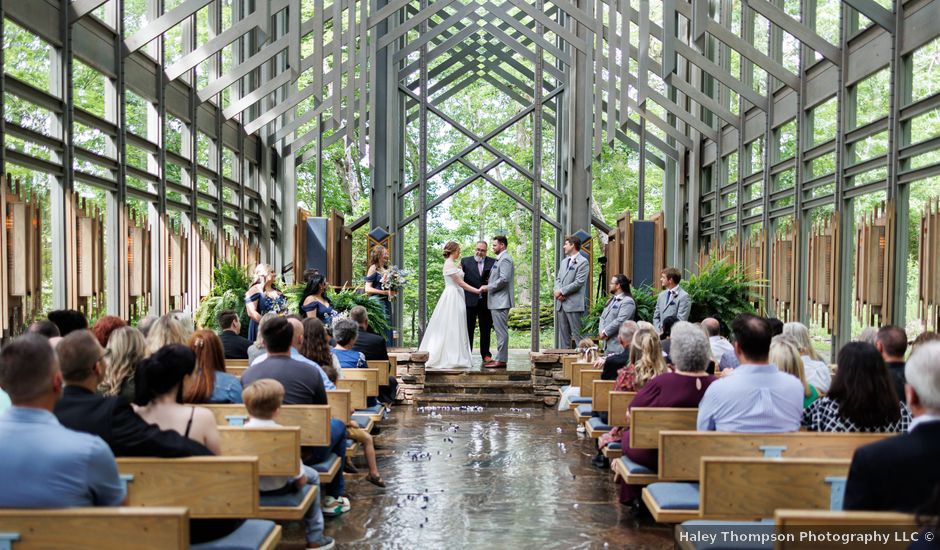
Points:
(340, 406)
(601, 393)
(681, 452)
(646, 423)
(619, 405)
(796, 521)
(313, 420)
(371, 376)
(151, 528)
(357, 391)
(383, 367)
(277, 448)
(210, 486)
(586, 381)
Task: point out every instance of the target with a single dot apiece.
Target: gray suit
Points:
(500, 292)
(620, 308)
(570, 280)
(666, 306)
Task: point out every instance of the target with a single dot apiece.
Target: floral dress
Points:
(266, 303)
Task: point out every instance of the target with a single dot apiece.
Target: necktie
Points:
(480, 267)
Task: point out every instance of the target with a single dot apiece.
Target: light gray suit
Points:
(570, 280)
(620, 308)
(499, 298)
(666, 306)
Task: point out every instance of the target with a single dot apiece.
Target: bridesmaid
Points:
(262, 297)
(378, 267)
(314, 303)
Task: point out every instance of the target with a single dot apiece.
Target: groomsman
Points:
(570, 287)
(500, 291)
(672, 300)
(476, 270)
(620, 307)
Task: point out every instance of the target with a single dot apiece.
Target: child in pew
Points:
(364, 438)
(263, 400)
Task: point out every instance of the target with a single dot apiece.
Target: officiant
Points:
(476, 271)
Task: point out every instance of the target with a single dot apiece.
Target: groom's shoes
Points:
(495, 365)
(487, 359)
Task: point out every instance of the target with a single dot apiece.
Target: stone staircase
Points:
(487, 388)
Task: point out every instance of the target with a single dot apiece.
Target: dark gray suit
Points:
(571, 280)
(499, 299)
(667, 306)
(619, 308)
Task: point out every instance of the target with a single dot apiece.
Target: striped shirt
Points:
(754, 398)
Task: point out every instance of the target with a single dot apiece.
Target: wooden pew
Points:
(600, 403)
(586, 378)
(619, 404)
(236, 367)
(680, 452)
(210, 486)
(383, 367)
(736, 488)
(796, 521)
(340, 402)
(566, 362)
(313, 420)
(152, 528)
(371, 376)
(645, 425)
(357, 391)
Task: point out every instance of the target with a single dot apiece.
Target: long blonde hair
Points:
(127, 347)
(646, 355)
(259, 280)
(165, 331)
(786, 355)
(799, 336)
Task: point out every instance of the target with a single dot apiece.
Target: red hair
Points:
(104, 326)
(209, 358)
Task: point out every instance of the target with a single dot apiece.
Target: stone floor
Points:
(501, 480)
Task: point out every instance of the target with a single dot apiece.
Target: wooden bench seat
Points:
(796, 521)
(236, 367)
(383, 368)
(734, 488)
(585, 380)
(600, 403)
(645, 425)
(357, 391)
(151, 528)
(313, 420)
(618, 405)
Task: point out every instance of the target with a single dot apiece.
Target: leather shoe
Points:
(487, 359)
(495, 365)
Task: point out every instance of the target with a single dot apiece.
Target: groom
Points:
(477, 270)
(499, 299)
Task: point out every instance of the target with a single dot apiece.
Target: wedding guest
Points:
(165, 331)
(83, 362)
(44, 327)
(570, 292)
(210, 383)
(786, 355)
(757, 397)
(297, 345)
(900, 473)
(127, 348)
(891, 342)
(262, 297)
(614, 362)
(257, 348)
(869, 335)
(684, 387)
(104, 326)
(621, 307)
(476, 270)
(666, 334)
(46, 455)
(68, 320)
(718, 343)
(817, 371)
(375, 277)
(373, 348)
(316, 347)
(673, 300)
(145, 322)
(924, 338)
(234, 346)
(314, 302)
(861, 398)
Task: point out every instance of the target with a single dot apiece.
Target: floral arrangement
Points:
(394, 279)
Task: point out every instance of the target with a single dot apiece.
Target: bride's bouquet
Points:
(394, 280)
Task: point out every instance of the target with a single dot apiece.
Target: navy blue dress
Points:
(324, 312)
(265, 304)
(376, 280)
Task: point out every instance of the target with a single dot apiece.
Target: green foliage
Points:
(229, 283)
(520, 317)
(343, 301)
(590, 326)
(722, 290)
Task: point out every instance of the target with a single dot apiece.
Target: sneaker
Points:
(346, 504)
(325, 543)
(581, 429)
(333, 507)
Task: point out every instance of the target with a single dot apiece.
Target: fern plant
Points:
(229, 283)
(343, 301)
(722, 290)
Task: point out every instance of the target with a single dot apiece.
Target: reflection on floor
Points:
(496, 479)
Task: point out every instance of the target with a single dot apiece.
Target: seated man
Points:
(900, 473)
(46, 465)
(295, 347)
(234, 345)
(891, 342)
(758, 397)
(82, 362)
(616, 361)
(373, 347)
(302, 386)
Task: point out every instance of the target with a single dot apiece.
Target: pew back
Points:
(795, 522)
(277, 447)
(313, 420)
(647, 422)
(619, 405)
(357, 391)
(601, 391)
(371, 376)
(383, 367)
(340, 404)
(210, 486)
(236, 367)
(586, 378)
(153, 528)
(680, 452)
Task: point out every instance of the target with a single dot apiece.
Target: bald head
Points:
(298, 327)
(712, 326)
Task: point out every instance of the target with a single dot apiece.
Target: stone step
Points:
(458, 376)
(504, 399)
(474, 387)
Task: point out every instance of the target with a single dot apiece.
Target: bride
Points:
(446, 339)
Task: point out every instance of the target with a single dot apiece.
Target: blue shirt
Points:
(350, 358)
(227, 389)
(46, 465)
(297, 356)
(754, 398)
(5, 402)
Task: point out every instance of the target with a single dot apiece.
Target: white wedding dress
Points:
(446, 339)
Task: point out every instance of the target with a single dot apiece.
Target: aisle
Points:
(500, 479)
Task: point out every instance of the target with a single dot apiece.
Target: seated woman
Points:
(160, 381)
(816, 370)
(127, 348)
(345, 332)
(210, 383)
(690, 352)
(314, 302)
(862, 396)
(165, 331)
(786, 355)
